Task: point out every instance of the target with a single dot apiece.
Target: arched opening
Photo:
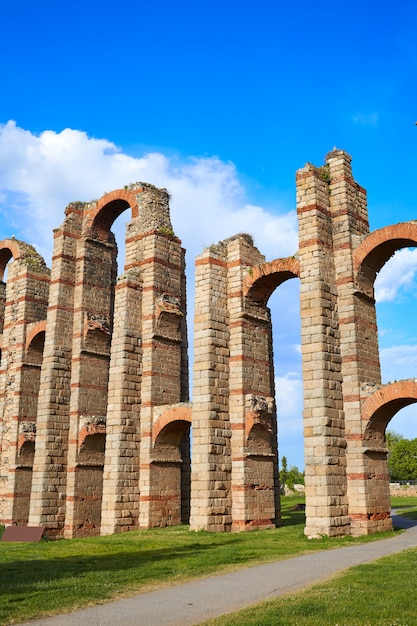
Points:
(96, 293)
(35, 345)
(5, 255)
(378, 410)
(89, 480)
(171, 473)
(26, 453)
(103, 213)
(23, 484)
(387, 265)
(396, 305)
(284, 313)
(382, 401)
(23, 301)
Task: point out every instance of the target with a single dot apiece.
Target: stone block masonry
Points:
(95, 415)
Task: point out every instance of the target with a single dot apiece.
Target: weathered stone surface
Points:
(94, 404)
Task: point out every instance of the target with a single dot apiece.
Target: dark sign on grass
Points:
(28, 534)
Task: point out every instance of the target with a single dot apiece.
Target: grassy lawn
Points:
(404, 502)
(57, 576)
(381, 593)
(407, 506)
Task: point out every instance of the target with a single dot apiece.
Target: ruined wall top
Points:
(149, 208)
(153, 208)
(23, 252)
(337, 162)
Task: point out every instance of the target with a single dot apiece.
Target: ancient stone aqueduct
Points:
(94, 406)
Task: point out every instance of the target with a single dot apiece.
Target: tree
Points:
(283, 475)
(292, 476)
(295, 477)
(402, 460)
(392, 438)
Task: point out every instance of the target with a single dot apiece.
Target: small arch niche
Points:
(34, 352)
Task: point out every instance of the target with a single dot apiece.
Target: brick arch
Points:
(92, 435)
(8, 248)
(379, 246)
(261, 282)
(110, 206)
(379, 408)
(176, 414)
(26, 443)
(252, 419)
(39, 328)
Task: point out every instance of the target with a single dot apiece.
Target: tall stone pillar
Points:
(92, 329)
(48, 499)
(120, 506)
(147, 369)
(211, 500)
(325, 462)
(255, 497)
(164, 337)
(235, 464)
(25, 305)
(359, 350)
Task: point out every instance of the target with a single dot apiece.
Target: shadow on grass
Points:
(122, 567)
(55, 576)
(291, 516)
(110, 573)
(131, 559)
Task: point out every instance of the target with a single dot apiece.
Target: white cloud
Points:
(289, 390)
(398, 362)
(41, 174)
(396, 275)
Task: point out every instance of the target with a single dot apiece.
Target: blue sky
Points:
(221, 102)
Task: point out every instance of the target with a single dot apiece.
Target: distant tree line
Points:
(402, 457)
(292, 476)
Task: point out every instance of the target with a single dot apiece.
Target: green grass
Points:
(381, 593)
(404, 502)
(56, 576)
(407, 506)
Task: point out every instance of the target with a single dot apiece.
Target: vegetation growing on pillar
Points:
(166, 231)
(32, 258)
(325, 173)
